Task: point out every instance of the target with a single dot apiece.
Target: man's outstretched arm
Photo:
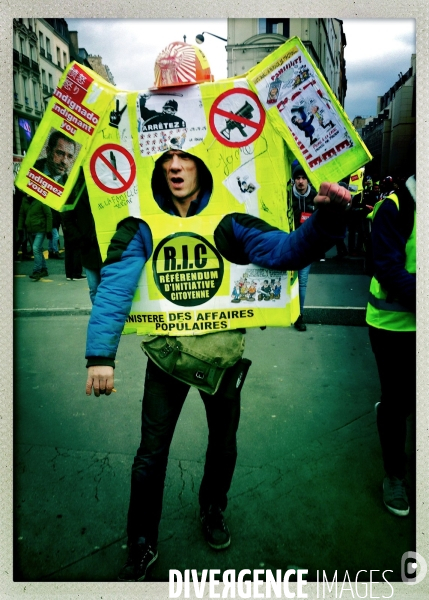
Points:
(245, 239)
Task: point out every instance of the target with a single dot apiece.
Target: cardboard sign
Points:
(247, 131)
(301, 105)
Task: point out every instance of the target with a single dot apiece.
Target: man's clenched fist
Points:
(334, 195)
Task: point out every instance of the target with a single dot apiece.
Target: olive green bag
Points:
(198, 360)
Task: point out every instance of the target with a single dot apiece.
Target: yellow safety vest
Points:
(392, 316)
(188, 288)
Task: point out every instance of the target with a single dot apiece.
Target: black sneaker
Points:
(395, 496)
(215, 529)
(299, 324)
(36, 275)
(44, 273)
(77, 278)
(140, 558)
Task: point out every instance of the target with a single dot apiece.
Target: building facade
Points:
(360, 122)
(54, 54)
(42, 49)
(40, 55)
(391, 135)
(27, 94)
(251, 40)
(97, 65)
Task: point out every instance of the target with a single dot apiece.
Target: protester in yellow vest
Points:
(182, 187)
(179, 178)
(391, 316)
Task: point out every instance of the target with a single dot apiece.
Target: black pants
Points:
(162, 402)
(72, 259)
(395, 353)
(355, 224)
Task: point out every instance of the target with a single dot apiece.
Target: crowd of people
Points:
(357, 242)
(381, 226)
(36, 222)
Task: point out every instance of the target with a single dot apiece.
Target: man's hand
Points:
(334, 195)
(101, 379)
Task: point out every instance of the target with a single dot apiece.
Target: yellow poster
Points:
(305, 111)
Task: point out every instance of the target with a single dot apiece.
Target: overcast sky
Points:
(377, 51)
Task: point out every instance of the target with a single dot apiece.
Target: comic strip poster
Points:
(301, 105)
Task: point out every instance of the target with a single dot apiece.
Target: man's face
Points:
(301, 184)
(59, 158)
(181, 173)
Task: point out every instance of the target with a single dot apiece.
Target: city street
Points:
(307, 487)
(265, 117)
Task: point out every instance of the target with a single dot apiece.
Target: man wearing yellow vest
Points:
(183, 187)
(241, 238)
(176, 203)
(391, 316)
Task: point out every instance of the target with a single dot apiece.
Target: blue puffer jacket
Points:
(240, 238)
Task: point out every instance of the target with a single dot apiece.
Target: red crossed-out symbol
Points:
(113, 168)
(222, 129)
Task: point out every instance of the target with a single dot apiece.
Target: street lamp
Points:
(200, 37)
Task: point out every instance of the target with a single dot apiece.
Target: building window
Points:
(51, 84)
(44, 85)
(280, 26)
(25, 85)
(22, 46)
(15, 87)
(64, 60)
(41, 45)
(36, 94)
(58, 57)
(48, 49)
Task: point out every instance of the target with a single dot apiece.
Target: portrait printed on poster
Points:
(57, 156)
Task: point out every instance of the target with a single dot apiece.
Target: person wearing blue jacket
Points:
(182, 186)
